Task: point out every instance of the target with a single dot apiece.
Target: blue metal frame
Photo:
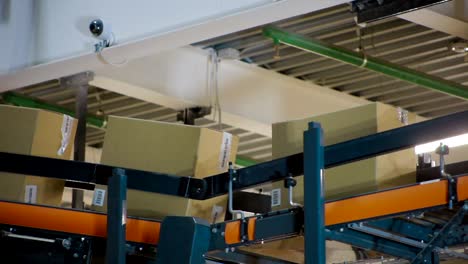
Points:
(314, 209)
(183, 240)
(367, 241)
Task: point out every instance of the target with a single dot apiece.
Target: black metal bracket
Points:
(290, 182)
(372, 10)
(452, 191)
(43, 246)
(270, 226)
(116, 218)
(188, 115)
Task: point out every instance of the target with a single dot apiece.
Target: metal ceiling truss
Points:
(391, 39)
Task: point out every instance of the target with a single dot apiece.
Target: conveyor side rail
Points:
(375, 205)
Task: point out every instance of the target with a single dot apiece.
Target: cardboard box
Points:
(292, 250)
(34, 132)
(167, 148)
(372, 174)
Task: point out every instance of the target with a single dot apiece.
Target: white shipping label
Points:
(275, 197)
(67, 127)
(98, 197)
(216, 212)
(30, 194)
(224, 155)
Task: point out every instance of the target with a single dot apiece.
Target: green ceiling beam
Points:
(365, 61)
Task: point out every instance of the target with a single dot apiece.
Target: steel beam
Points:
(287, 23)
(116, 218)
(311, 30)
(404, 93)
(80, 83)
(370, 11)
(448, 103)
(90, 95)
(447, 111)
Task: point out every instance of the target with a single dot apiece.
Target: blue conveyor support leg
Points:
(183, 240)
(314, 212)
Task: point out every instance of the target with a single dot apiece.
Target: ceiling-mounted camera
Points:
(103, 32)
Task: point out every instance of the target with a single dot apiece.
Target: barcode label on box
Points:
(275, 197)
(225, 153)
(30, 194)
(99, 196)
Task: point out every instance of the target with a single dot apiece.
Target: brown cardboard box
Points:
(292, 250)
(367, 175)
(167, 148)
(363, 176)
(34, 132)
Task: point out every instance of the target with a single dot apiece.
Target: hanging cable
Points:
(213, 86)
(216, 88)
(99, 48)
(115, 64)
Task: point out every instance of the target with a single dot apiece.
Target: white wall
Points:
(63, 25)
(17, 34)
(142, 28)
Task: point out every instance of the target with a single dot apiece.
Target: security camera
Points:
(102, 31)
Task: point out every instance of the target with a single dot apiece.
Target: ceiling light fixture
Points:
(459, 46)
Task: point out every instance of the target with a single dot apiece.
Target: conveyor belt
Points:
(369, 206)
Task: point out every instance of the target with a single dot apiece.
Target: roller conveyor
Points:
(381, 204)
(366, 221)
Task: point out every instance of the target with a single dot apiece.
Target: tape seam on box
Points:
(225, 154)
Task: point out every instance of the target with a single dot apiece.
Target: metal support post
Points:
(183, 240)
(79, 82)
(314, 213)
(116, 218)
